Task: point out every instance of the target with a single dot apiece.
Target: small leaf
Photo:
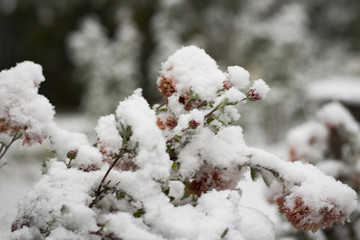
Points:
(177, 138)
(103, 226)
(222, 105)
(186, 195)
(175, 166)
(125, 133)
(209, 120)
(162, 110)
(193, 95)
(268, 177)
(120, 195)
(139, 213)
(166, 192)
(254, 174)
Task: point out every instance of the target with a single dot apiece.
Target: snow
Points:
(88, 155)
(22, 109)
(42, 203)
(260, 88)
(258, 223)
(136, 113)
(340, 88)
(307, 142)
(335, 115)
(233, 95)
(191, 67)
(238, 77)
(107, 133)
(334, 168)
(184, 120)
(210, 156)
(317, 190)
(125, 225)
(62, 141)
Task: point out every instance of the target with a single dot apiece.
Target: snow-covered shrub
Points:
(271, 38)
(23, 112)
(171, 171)
(332, 143)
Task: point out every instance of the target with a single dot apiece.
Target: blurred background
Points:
(94, 53)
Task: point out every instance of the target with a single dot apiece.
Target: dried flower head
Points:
(166, 86)
(305, 217)
(124, 164)
(252, 95)
(258, 90)
(72, 154)
(88, 167)
(166, 122)
(209, 178)
(19, 223)
(227, 84)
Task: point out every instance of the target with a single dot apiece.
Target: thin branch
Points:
(104, 236)
(2, 147)
(163, 104)
(98, 191)
(216, 108)
(16, 137)
(171, 139)
(210, 113)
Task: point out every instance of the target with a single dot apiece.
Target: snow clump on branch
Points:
(23, 112)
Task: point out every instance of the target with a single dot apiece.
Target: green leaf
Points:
(120, 195)
(139, 213)
(267, 177)
(166, 192)
(177, 138)
(193, 95)
(175, 166)
(125, 133)
(162, 110)
(222, 105)
(186, 195)
(103, 226)
(209, 120)
(254, 174)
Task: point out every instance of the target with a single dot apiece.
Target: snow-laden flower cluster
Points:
(172, 171)
(332, 143)
(335, 134)
(23, 112)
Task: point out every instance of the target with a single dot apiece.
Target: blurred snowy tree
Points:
(107, 67)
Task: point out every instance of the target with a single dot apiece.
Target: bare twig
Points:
(2, 147)
(98, 191)
(210, 113)
(104, 236)
(15, 137)
(216, 108)
(163, 104)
